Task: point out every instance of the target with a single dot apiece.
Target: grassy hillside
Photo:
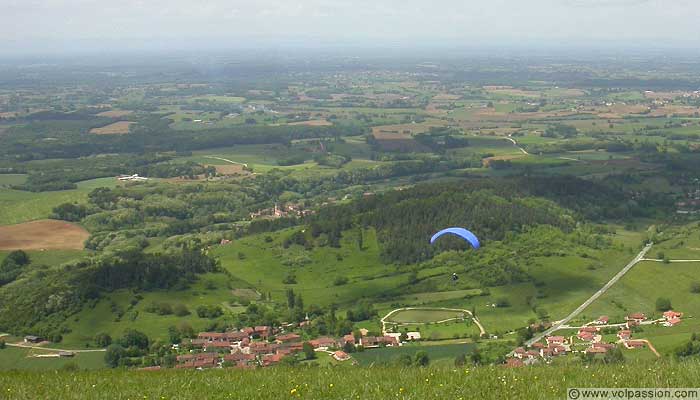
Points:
(345, 382)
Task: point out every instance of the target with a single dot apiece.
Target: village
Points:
(281, 211)
(589, 340)
(264, 346)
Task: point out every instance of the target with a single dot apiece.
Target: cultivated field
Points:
(45, 234)
(117, 128)
(115, 113)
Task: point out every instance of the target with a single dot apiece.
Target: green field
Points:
(14, 358)
(20, 206)
(444, 353)
(423, 316)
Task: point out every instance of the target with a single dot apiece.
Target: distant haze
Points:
(35, 26)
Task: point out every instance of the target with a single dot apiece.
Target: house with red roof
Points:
(607, 346)
(287, 338)
(324, 342)
(217, 346)
(520, 352)
(341, 355)
(672, 322)
(212, 336)
(294, 347)
(553, 350)
(263, 331)
(586, 336)
(349, 338)
(589, 329)
(636, 317)
(236, 336)
(271, 359)
(236, 357)
(602, 320)
(668, 315)
(262, 348)
(555, 340)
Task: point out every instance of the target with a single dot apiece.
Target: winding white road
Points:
(517, 145)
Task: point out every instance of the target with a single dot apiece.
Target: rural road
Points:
(651, 347)
(670, 261)
(227, 160)
(52, 349)
(593, 298)
(392, 312)
(23, 346)
(516, 145)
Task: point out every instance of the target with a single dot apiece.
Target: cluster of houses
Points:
(253, 347)
(285, 210)
(591, 336)
(688, 206)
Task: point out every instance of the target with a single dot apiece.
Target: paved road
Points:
(593, 298)
(670, 261)
(392, 312)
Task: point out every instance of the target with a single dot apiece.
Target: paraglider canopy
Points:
(461, 232)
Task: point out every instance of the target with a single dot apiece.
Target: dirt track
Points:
(45, 234)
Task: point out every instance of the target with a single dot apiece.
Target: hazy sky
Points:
(38, 25)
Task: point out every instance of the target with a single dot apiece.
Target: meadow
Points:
(15, 358)
(346, 382)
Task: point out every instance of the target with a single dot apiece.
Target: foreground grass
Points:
(344, 382)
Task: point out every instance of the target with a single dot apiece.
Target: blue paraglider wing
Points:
(461, 232)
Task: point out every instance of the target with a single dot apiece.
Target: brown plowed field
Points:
(45, 234)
